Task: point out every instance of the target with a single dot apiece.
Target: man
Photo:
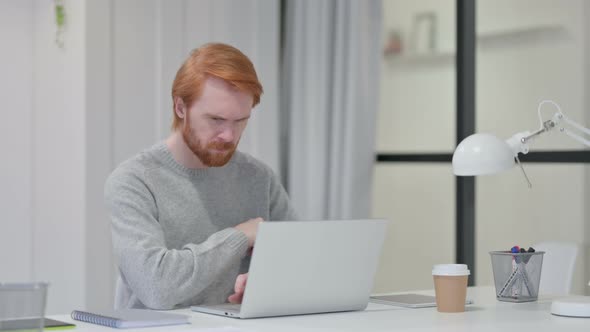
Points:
(185, 212)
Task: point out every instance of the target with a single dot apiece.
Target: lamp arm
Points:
(545, 127)
(571, 134)
(557, 119)
(519, 142)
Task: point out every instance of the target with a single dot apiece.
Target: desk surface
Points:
(486, 314)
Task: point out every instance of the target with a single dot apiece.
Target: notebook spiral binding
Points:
(94, 318)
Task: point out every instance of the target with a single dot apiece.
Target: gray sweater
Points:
(172, 227)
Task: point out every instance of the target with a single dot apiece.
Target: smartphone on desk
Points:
(408, 300)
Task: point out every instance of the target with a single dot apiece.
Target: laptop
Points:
(308, 267)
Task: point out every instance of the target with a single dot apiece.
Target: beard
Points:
(212, 154)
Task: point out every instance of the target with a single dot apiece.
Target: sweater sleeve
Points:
(163, 278)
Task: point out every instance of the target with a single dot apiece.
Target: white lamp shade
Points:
(481, 154)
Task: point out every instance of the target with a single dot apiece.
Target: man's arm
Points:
(280, 209)
(162, 278)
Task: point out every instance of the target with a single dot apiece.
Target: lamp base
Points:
(573, 306)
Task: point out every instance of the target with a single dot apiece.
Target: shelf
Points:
(421, 58)
(520, 31)
(524, 34)
(499, 37)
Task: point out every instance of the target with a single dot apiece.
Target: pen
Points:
(508, 282)
(518, 275)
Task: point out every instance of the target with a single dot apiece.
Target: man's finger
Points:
(240, 285)
(236, 298)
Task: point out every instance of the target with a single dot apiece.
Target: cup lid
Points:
(450, 270)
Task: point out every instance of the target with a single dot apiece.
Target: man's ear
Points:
(179, 107)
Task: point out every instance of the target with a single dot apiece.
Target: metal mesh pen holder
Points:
(517, 276)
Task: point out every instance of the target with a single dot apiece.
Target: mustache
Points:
(220, 145)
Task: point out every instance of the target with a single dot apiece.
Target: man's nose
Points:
(227, 134)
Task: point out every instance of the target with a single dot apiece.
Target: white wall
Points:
(16, 112)
(59, 155)
(69, 116)
(42, 192)
(100, 268)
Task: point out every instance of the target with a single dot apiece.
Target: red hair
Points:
(219, 60)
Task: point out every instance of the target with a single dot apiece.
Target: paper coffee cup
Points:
(450, 286)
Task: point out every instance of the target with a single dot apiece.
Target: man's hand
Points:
(250, 228)
(239, 288)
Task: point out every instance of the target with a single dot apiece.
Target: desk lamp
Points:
(481, 154)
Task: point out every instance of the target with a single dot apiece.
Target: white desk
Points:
(486, 314)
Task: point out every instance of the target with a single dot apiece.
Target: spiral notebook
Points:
(130, 318)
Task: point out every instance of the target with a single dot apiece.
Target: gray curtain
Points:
(330, 102)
